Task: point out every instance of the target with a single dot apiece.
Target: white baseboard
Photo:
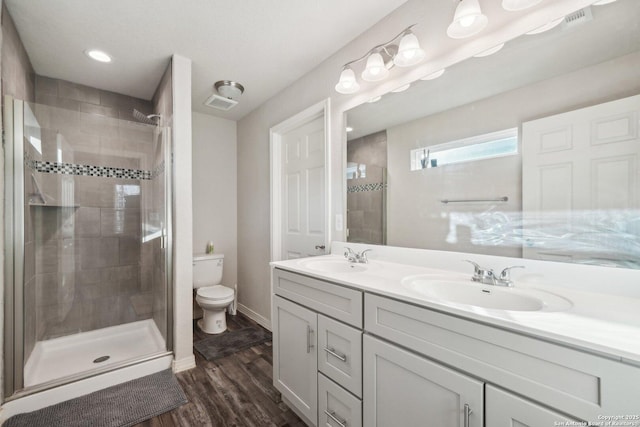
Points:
(184, 364)
(258, 318)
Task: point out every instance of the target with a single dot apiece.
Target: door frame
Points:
(321, 109)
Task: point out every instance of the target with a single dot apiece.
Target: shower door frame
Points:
(13, 294)
(13, 347)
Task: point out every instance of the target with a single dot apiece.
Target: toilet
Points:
(212, 297)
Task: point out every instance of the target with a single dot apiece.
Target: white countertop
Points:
(604, 324)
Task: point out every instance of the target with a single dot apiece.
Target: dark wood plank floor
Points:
(236, 390)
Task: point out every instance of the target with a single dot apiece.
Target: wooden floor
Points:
(236, 390)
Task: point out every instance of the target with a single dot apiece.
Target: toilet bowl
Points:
(212, 297)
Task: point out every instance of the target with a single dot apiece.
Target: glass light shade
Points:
(490, 51)
(433, 75)
(603, 2)
(467, 21)
(516, 5)
(347, 83)
(375, 69)
(546, 27)
(409, 52)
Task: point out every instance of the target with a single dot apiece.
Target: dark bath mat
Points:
(229, 342)
(122, 405)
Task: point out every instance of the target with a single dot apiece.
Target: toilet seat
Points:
(215, 293)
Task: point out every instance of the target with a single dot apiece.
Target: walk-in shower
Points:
(88, 248)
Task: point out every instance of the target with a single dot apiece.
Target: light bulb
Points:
(347, 83)
(375, 69)
(409, 52)
(467, 21)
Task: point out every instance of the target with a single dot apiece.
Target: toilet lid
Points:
(215, 293)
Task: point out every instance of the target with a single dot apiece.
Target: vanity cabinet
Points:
(295, 357)
(504, 409)
(403, 389)
(317, 349)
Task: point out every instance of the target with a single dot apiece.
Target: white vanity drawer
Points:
(577, 383)
(340, 353)
(336, 407)
(336, 301)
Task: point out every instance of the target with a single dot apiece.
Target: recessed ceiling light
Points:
(349, 129)
(98, 55)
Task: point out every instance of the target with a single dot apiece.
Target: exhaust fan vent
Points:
(577, 18)
(220, 102)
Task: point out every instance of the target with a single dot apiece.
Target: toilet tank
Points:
(207, 269)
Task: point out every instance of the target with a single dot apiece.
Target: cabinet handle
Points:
(320, 247)
(332, 415)
(332, 352)
(309, 345)
(467, 412)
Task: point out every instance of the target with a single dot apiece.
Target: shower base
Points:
(79, 353)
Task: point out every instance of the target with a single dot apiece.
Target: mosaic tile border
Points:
(89, 170)
(377, 186)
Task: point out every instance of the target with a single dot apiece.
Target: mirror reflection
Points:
(530, 152)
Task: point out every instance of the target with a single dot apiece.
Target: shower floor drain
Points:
(101, 359)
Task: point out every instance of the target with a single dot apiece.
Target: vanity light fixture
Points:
(347, 83)
(546, 27)
(98, 55)
(433, 75)
(467, 21)
(490, 51)
(403, 50)
(516, 5)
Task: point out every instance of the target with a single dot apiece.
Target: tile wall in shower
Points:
(366, 189)
(88, 251)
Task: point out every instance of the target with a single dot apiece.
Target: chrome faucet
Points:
(356, 257)
(488, 277)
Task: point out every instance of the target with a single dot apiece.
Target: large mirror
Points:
(530, 152)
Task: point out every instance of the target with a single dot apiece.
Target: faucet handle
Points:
(505, 275)
(348, 252)
(476, 267)
(363, 256)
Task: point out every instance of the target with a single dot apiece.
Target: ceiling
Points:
(264, 44)
(614, 31)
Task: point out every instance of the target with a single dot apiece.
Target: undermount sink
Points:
(333, 266)
(486, 296)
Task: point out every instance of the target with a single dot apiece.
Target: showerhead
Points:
(147, 119)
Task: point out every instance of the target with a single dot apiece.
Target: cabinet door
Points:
(340, 353)
(337, 407)
(403, 389)
(295, 357)
(504, 409)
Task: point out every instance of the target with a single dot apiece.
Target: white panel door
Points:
(403, 389)
(580, 178)
(295, 356)
(503, 409)
(303, 192)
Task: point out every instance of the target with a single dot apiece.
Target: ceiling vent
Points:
(220, 102)
(578, 18)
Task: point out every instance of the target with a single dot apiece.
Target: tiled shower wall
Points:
(88, 255)
(153, 260)
(366, 194)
